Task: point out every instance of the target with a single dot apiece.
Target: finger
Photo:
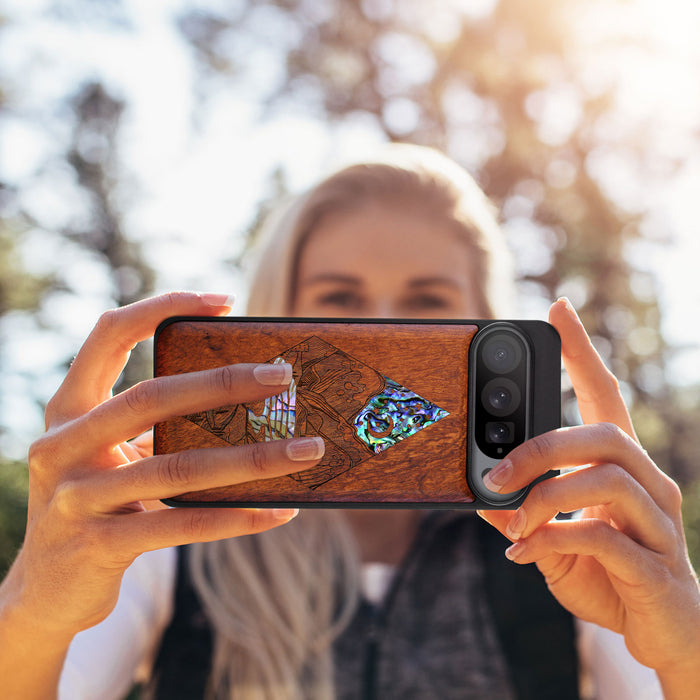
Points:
(166, 476)
(606, 486)
(497, 518)
(102, 357)
(579, 445)
(614, 550)
(154, 400)
(131, 452)
(143, 444)
(596, 388)
(156, 529)
(138, 448)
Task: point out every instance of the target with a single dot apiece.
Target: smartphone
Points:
(413, 413)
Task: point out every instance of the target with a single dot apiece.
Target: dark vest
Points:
(460, 621)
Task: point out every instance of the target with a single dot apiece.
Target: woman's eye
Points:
(341, 300)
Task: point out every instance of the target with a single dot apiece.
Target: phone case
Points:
(390, 399)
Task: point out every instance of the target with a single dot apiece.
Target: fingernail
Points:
(569, 306)
(273, 375)
(517, 525)
(285, 514)
(515, 550)
(499, 476)
(303, 449)
(218, 299)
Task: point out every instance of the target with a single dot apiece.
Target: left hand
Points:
(623, 564)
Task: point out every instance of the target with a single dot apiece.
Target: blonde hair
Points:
(277, 600)
(404, 175)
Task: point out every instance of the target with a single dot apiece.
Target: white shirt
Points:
(104, 661)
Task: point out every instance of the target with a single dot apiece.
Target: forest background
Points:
(141, 142)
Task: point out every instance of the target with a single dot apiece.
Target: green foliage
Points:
(18, 289)
(14, 483)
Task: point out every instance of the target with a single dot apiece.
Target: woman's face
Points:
(388, 262)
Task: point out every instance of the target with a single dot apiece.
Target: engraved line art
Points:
(358, 411)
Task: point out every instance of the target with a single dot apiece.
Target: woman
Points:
(412, 236)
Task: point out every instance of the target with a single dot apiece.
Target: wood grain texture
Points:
(338, 368)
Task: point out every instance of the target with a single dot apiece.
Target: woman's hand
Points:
(623, 564)
(87, 515)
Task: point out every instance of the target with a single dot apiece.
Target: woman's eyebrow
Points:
(334, 278)
(433, 281)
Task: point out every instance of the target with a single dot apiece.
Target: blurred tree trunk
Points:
(93, 153)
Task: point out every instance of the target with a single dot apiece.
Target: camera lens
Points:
(499, 432)
(502, 353)
(500, 396)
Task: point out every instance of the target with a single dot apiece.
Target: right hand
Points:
(88, 516)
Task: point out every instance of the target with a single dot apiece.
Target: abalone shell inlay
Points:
(394, 415)
(277, 418)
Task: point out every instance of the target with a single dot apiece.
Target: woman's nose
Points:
(383, 308)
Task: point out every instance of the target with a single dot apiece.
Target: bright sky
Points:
(194, 189)
(672, 67)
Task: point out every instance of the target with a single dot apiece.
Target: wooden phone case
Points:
(389, 398)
